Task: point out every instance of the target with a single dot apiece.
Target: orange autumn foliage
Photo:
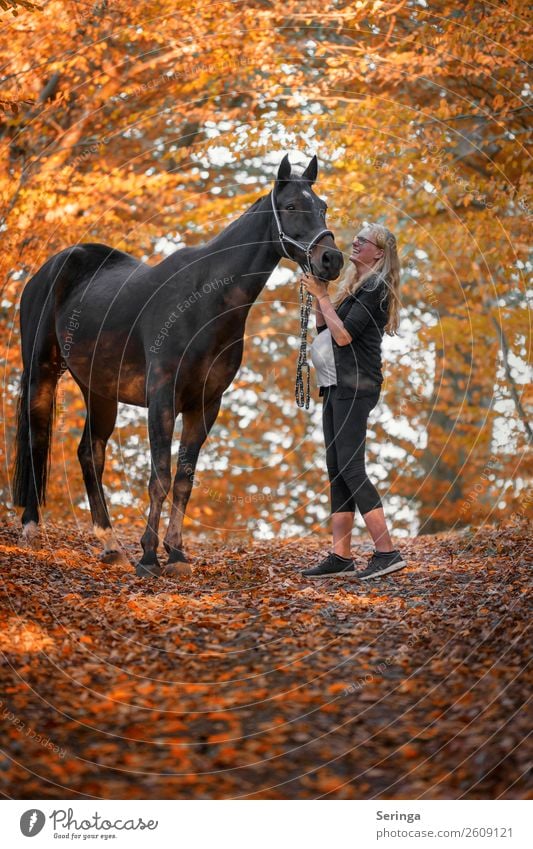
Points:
(145, 129)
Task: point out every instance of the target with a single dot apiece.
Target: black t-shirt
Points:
(365, 321)
(364, 316)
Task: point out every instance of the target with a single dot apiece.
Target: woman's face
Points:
(365, 253)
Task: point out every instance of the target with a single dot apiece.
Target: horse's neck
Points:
(241, 258)
(254, 258)
(248, 249)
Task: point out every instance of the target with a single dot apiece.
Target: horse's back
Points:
(96, 254)
(104, 283)
(75, 266)
(85, 264)
(38, 302)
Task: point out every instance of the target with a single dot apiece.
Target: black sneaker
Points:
(382, 563)
(331, 566)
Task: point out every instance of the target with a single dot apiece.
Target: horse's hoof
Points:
(177, 570)
(114, 558)
(30, 535)
(148, 570)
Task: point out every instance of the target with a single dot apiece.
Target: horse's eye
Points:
(291, 206)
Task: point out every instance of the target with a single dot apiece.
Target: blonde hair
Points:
(387, 268)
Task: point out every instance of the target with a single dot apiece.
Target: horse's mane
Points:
(186, 252)
(237, 222)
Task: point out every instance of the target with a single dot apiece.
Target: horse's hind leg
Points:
(99, 424)
(161, 419)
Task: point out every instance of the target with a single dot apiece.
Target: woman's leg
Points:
(350, 418)
(342, 525)
(377, 528)
(342, 503)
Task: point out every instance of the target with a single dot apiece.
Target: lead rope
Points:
(301, 393)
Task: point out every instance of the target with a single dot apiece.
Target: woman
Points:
(346, 354)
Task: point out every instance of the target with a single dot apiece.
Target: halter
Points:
(302, 395)
(283, 237)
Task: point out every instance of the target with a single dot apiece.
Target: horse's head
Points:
(300, 217)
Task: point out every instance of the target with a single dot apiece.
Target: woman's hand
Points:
(316, 287)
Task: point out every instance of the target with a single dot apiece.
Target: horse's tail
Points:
(21, 471)
(26, 473)
(36, 401)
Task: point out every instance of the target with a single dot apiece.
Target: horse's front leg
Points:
(196, 426)
(161, 419)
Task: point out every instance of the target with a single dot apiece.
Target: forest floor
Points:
(246, 680)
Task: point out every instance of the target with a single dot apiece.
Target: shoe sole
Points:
(395, 567)
(351, 574)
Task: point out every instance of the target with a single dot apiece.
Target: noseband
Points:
(301, 394)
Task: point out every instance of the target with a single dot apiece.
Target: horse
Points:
(168, 337)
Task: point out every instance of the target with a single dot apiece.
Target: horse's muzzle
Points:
(327, 261)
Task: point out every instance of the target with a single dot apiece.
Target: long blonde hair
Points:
(387, 268)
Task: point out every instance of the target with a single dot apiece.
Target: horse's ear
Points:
(284, 170)
(311, 171)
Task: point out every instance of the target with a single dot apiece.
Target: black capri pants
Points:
(345, 421)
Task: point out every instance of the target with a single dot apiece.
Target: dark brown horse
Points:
(168, 337)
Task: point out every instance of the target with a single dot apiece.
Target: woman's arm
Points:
(335, 324)
(360, 314)
(320, 320)
(327, 310)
